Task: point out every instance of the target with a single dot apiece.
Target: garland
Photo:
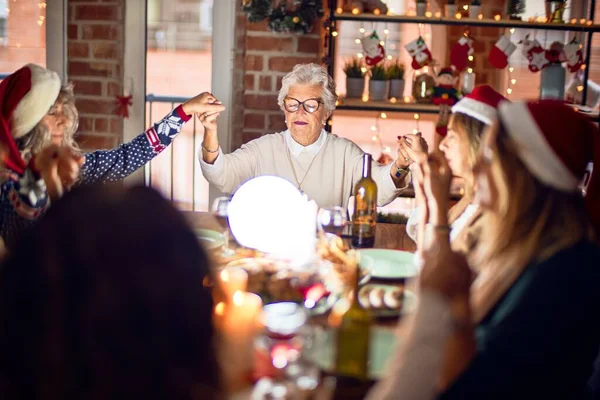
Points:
(299, 18)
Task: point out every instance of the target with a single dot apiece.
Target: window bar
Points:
(148, 171)
(194, 166)
(588, 53)
(172, 147)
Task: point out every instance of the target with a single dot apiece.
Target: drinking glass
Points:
(220, 209)
(332, 220)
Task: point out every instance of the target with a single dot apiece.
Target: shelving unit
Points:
(400, 106)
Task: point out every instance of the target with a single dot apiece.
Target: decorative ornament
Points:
(373, 49)
(514, 9)
(422, 88)
(501, 51)
(123, 102)
(298, 18)
(419, 52)
(535, 53)
(573, 55)
(460, 52)
(445, 91)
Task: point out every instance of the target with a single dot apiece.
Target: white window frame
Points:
(56, 37)
(135, 67)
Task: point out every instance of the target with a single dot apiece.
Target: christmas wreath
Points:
(298, 17)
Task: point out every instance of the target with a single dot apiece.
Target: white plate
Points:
(390, 264)
(210, 239)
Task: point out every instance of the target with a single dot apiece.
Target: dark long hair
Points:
(103, 299)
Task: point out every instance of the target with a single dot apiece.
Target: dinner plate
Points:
(390, 264)
(409, 303)
(381, 349)
(210, 239)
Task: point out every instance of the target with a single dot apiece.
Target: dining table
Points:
(385, 331)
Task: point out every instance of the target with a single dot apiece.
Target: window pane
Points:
(22, 34)
(179, 60)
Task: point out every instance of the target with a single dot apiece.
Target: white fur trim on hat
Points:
(45, 87)
(533, 149)
(476, 109)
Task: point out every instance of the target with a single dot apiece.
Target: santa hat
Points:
(556, 143)
(481, 104)
(25, 97)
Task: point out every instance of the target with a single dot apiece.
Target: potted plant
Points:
(421, 8)
(355, 78)
(450, 8)
(514, 9)
(390, 232)
(555, 10)
(378, 83)
(474, 9)
(395, 72)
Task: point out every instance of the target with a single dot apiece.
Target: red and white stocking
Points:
(419, 52)
(535, 53)
(501, 51)
(573, 55)
(460, 52)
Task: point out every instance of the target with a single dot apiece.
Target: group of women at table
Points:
(509, 274)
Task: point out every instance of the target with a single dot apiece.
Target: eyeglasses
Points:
(293, 105)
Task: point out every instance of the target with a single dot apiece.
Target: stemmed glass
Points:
(220, 209)
(332, 220)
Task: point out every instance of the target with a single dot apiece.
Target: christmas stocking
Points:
(419, 52)
(460, 53)
(374, 51)
(573, 55)
(501, 52)
(535, 53)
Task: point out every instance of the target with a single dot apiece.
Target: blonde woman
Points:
(528, 327)
(471, 116)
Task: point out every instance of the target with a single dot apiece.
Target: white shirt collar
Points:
(296, 148)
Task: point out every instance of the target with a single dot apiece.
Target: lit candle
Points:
(237, 323)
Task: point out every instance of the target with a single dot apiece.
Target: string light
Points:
(428, 14)
(359, 55)
(355, 11)
(511, 81)
(497, 17)
(362, 30)
(458, 15)
(386, 31)
(377, 11)
(438, 14)
(383, 115)
(357, 41)
(466, 7)
(334, 33)
(480, 17)
(509, 90)
(393, 100)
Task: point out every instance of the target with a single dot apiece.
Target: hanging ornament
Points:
(373, 49)
(419, 52)
(573, 55)
(460, 52)
(501, 51)
(555, 54)
(123, 102)
(535, 53)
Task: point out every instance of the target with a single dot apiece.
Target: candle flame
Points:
(220, 309)
(238, 298)
(225, 276)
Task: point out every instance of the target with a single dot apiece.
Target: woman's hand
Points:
(209, 122)
(413, 145)
(201, 104)
(445, 271)
(59, 167)
(437, 176)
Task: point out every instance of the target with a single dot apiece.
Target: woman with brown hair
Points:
(103, 299)
(460, 146)
(528, 326)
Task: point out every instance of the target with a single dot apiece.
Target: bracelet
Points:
(399, 171)
(210, 151)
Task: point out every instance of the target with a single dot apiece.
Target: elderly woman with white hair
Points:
(320, 164)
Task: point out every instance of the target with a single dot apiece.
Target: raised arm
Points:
(116, 164)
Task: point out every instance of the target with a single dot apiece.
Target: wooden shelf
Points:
(491, 23)
(399, 106)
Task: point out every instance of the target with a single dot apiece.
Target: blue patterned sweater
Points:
(23, 198)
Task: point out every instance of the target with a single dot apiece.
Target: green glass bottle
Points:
(353, 339)
(365, 208)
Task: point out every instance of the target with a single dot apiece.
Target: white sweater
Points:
(330, 174)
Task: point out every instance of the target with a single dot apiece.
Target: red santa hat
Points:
(25, 97)
(556, 143)
(481, 104)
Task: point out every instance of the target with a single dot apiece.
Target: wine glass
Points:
(332, 220)
(220, 209)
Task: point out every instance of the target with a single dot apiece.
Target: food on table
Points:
(381, 297)
(376, 298)
(394, 298)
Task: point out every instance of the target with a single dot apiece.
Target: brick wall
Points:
(262, 59)
(95, 66)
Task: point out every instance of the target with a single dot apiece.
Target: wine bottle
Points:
(353, 339)
(365, 208)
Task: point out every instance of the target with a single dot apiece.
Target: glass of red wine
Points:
(332, 220)
(220, 209)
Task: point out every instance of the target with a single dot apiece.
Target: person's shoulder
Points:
(343, 143)
(581, 259)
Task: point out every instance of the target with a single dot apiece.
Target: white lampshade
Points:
(270, 214)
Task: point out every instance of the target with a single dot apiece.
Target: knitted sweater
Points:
(23, 198)
(328, 178)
